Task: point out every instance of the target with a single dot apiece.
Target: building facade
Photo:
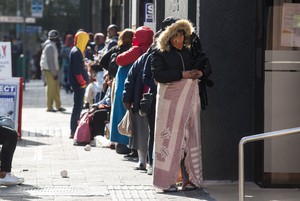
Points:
(253, 47)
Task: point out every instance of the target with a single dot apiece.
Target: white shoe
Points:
(149, 170)
(10, 179)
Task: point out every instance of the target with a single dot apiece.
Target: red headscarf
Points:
(69, 42)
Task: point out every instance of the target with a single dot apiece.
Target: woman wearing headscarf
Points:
(132, 94)
(108, 61)
(141, 41)
(78, 76)
(177, 124)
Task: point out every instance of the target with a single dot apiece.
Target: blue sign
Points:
(37, 8)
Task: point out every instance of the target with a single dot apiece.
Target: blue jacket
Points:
(76, 66)
(133, 89)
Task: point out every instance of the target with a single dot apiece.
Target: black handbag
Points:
(145, 104)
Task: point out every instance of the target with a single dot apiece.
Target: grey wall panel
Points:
(176, 8)
(227, 31)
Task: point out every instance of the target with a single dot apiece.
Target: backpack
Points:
(82, 134)
(113, 66)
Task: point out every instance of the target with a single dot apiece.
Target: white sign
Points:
(5, 59)
(149, 12)
(9, 98)
(16, 19)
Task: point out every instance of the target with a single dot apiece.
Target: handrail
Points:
(253, 138)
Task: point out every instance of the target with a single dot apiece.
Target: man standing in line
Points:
(50, 68)
(78, 76)
(112, 35)
(99, 40)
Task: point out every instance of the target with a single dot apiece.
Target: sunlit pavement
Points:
(100, 174)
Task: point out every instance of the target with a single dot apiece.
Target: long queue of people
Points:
(170, 65)
(109, 77)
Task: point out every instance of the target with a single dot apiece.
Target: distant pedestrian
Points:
(78, 77)
(50, 67)
(69, 41)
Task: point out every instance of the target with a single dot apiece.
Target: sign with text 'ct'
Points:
(11, 94)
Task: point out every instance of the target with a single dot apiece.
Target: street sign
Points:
(149, 12)
(37, 8)
(16, 19)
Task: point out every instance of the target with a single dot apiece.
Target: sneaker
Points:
(133, 154)
(10, 179)
(61, 109)
(139, 166)
(149, 170)
(51, 110)
(71, 136)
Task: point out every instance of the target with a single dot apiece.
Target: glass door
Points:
(281, 93)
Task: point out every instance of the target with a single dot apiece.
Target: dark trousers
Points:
(8, 140)
(151, 121)
(184, 173)
(78, 95)
(98, 121)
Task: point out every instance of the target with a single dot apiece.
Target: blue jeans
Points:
(78, 95)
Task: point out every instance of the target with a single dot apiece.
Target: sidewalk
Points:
(100, 174)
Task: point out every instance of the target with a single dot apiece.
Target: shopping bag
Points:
(83, 131)
(125, 126)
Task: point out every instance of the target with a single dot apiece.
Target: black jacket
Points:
(167, 66)
(106, 59)
(133, 87)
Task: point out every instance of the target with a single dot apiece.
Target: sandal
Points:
(188, 186)
(173, 188)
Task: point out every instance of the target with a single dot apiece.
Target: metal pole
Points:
(253, 138)
(24, 39)
(241, 171)
(18, 14)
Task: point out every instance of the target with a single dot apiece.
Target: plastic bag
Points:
(125, 126)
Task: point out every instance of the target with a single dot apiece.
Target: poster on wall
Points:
(290, 28)
(11, 100)
(5, 59)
